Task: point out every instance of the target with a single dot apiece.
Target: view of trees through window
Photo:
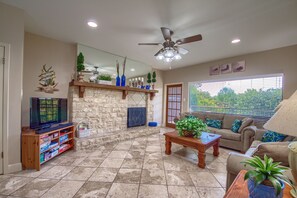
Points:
(253, 97)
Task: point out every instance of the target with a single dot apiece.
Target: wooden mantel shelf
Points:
(125, 90)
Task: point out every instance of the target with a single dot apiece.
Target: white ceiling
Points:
(260, 24)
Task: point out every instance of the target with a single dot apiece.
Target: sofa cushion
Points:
(214, 123)
(236, 125)
(214, 116)
(245, 123)
(199, 115)
(226, 134)
(278, 151)
(271, 136)
(229, 119)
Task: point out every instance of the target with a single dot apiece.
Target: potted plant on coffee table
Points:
(190, 127)
(267, 179)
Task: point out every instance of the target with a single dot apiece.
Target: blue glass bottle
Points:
(123, 81)
(118, 81)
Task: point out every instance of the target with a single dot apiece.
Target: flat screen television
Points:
(45, 112)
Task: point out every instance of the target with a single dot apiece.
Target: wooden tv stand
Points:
(33, 156)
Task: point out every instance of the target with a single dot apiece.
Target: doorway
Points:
(173, 103)
(2, 62)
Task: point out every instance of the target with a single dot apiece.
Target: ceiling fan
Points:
(171, 50)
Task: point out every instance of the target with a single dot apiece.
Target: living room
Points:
(124, 114)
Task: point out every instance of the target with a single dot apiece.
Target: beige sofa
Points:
(240, 141)
(277, 150)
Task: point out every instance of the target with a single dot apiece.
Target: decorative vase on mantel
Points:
(123, 81)
(118, 81)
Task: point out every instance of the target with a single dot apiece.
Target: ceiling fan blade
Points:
(161, 50)
(182, 51)
(149, 43)
(166, 33)
(189, 39)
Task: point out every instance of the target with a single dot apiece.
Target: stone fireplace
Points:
(106, 113)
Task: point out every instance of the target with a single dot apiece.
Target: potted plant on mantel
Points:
(154, 79)
(149, 80)
(267, 180)
(80, 67)
(104, 79)
(190, 127)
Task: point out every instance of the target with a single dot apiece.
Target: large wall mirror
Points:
(105, 63)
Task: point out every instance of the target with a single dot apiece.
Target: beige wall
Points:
(12, 33)
(282, 60)
(39, 50)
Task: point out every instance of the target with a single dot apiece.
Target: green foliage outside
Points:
(104, 77)
(252, 102)
(80, 62)
(194, 125)
(266, 172)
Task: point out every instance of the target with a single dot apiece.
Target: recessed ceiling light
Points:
(132, 69)
(235, 41)
(92, 24)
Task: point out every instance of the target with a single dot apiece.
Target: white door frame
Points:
(5, 128)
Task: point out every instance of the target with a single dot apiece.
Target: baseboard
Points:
(14, 167)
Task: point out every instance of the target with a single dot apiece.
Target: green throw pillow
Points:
(271, 136)
(190, 116)
(236, 125)
(214, 123)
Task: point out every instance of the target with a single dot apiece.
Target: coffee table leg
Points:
(168, 146)
(216, 149)
(201, 159)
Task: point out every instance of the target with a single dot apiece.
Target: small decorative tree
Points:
(154, 79)
(80, 66)
(149, 78)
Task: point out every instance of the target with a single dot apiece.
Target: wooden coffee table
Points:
(206, 141)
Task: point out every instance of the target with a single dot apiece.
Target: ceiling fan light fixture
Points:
(160, 57)
(168, 60)
(169, 53)
(177, 57)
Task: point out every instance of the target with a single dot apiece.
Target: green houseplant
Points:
(190, 126)
(80, 66)
(149, 80)
(104, 79)
(154, 79)
(267, 179)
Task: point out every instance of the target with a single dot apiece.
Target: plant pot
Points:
(153, 86)
(188, 133)
(80, 78)
(147, 87)
(263, 191)
(104, 82)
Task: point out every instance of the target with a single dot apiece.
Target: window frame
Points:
(233, 79)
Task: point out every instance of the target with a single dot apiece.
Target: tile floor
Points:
(134, 168)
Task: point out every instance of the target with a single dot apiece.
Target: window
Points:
(256, 97)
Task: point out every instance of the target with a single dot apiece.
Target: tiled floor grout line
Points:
(142, 167)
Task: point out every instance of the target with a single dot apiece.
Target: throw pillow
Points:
(271, 136)
(236, 125)
(245, 122)
(214, 123)
(190, 116)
